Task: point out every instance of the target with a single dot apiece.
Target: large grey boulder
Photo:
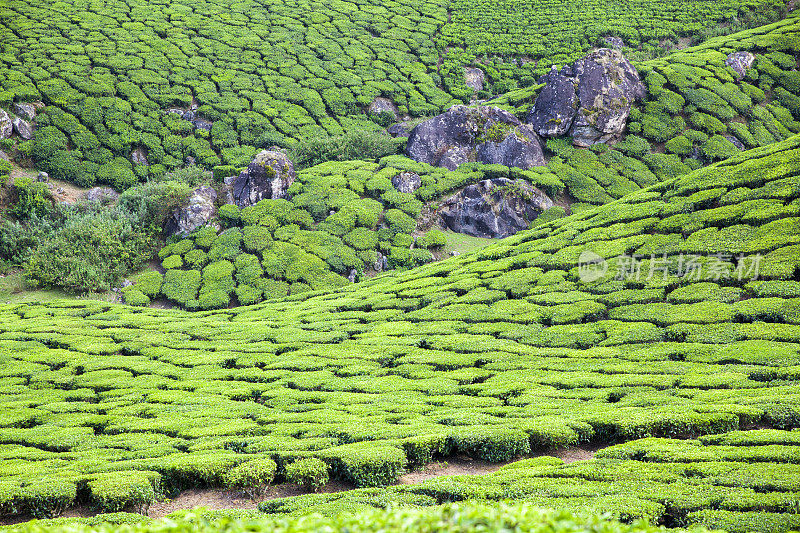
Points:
(555, 107)
(494, 208)
(741, 62)
(6, 125)
(469, 134)
(200, 208)
(268, 176)
(25, 111)
(604, 87)
(23, 128)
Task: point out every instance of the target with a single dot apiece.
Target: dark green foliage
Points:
(89, 251)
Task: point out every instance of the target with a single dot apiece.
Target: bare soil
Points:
(219, 499)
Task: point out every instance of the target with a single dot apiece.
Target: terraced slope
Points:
(109, 73)
(739, 481)
(490, 354)
(340, 215)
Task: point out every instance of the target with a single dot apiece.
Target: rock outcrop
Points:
(397, 130)
(407, 182)
(554, 109)
(741, 62)
(494, 208)
(468, 134)
(473, 78)
(383, 106)
(139, 157)
(25, 111)
(200, 208)
(268, 176)
(6, 125)
(23, 128)
(604, 86)
(101, 194)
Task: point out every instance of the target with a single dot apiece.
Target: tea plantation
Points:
(116, 77)
(690, 330)
(329, 224)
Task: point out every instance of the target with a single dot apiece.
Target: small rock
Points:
(200, 208)
(455, 253)
(127, 283)
(494, 208)
(6, 125)
(4, 156)
(101, 194)
(227, 189)
(407, 182)
(384, 264)
(378, 266)
(269, 175)
(202, 124)
(473, 78)
(741, 62)
(43, 177)
(614, 42)
(736, 142)
(190, 160)
(188, 115)
(352, 276)
(177, 111)
(23, 128)
(26, 111)
(381, 106)
(397, 130)
(139, 157)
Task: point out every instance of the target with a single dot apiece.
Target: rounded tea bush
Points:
(311, 473)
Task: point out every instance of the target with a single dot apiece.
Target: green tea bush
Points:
(123, 490)
(251, 477)
(310, 473)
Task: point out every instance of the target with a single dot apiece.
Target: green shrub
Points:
(150, 283)
(133, 296)
(433, 239)
(90, 251)
(30, 198)
(116, 491)
(311, 473)
(251, 477)
(354, 144)
(181, 286)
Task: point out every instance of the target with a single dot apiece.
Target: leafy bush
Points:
(353, 144)
(251, 477)
(311, 473)
(90, 252)
(30, 198)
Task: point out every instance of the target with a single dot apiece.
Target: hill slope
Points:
(490, 354)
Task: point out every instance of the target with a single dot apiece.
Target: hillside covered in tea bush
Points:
(342, 217)
(117, 78)
(492, 354)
